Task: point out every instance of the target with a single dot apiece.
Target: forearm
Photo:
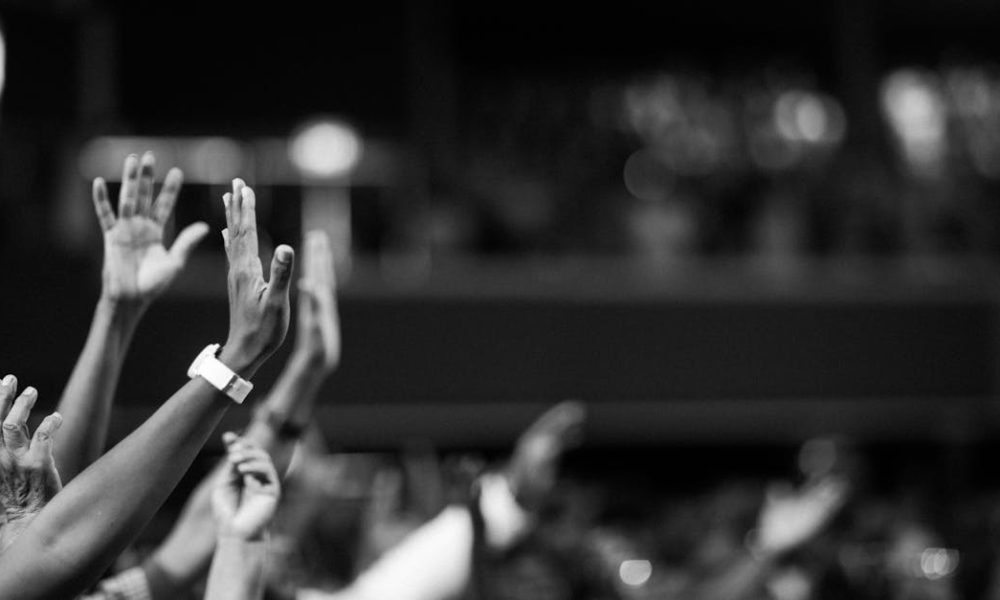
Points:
(187, 552)
(237, 571)
(86, 401)
(293, 396)
(185, 555)
(78, 535)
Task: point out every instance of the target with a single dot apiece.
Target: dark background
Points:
(711, 353)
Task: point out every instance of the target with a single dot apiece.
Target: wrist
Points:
(241, 362)
(120, 311)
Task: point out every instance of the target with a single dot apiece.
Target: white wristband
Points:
(221, 377)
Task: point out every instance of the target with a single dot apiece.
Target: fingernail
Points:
(8, 380)
(284, 254)
(30, 391)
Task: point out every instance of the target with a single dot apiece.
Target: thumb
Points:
(187, 240)
(42, 440)
(281, 272)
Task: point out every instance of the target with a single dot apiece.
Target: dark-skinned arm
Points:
(184, 557)
(79, 533)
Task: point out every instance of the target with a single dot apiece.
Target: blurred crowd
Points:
(828, 529)
(691, 163)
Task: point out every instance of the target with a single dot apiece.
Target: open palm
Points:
(789, 517)
(137, 266)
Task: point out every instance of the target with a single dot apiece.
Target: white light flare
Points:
(325, 149)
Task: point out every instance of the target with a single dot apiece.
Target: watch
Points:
(221, 377)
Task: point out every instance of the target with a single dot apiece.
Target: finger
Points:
(225, 239)
(41, 442)
(248, 216)
(102, 206)
(144, 195)
(236, 206)
(15, 426)
(326, 267)
(310, 259)
(252, 484)
(227, 202)
(308, 303)
(229, 437)
(8, 389)
(259, 475)
(165, 202)
(187, 240)
(257, 466)
(249, 209)
(129, 191)
(281, 273)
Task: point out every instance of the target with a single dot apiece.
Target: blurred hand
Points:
(246, 497)
(532, 468)
(258, 309)
(789, 517)
(137, 267)
(28, 476)
(318, 335)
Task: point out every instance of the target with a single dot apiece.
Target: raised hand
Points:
(28, 476)
(258, 309)
(318, 333)
(246, 496)
(790, 517)
(137, 266)
(531, 470)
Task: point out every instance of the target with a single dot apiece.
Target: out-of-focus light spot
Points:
(801, 116)
(914, 105)
(325, 149)
(651, 107)
(645, 177)
(214, 159)
(635, 573)
(936, 563)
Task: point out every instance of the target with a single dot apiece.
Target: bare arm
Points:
(137, 267)
(788, 520)
(186, 553)
(244, 500)
(237, 571)
(78, 534)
